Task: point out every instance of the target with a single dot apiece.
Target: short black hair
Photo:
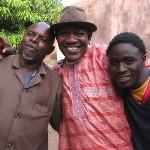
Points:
(127, 37)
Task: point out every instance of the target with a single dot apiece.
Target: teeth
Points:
(123, 77)
(72, 48)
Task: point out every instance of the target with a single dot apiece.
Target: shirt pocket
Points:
(41, 111)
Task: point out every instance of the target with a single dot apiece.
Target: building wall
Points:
(115, 16)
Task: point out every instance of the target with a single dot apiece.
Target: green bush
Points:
(13, 38)
(17, 15)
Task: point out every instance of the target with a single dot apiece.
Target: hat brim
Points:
(89, 25)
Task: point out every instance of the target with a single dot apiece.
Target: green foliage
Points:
(17, 15)
(13, 38)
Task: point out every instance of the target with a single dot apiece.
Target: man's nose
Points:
(122, 67)
(72, 38)
(34, 39)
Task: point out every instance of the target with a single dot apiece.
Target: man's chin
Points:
(28, 59)
(123, 86)
(73, 60)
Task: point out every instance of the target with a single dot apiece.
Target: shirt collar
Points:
(66, 62)
(16, 64)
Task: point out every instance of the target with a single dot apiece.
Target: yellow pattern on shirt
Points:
(138, 93)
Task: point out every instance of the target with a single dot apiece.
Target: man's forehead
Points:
(40, 29)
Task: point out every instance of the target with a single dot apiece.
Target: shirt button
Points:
(17, 115)
(24, 90)
(9, 144)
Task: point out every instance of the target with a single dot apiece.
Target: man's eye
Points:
(30, 34)
(79, 34)
(63, 34)
(129, 61)
(113, 62)
(43, 39)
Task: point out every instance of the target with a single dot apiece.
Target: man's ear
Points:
(143, 59)
(89, 36)
(50, 50)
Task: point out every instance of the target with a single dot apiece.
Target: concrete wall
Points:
(115, 16)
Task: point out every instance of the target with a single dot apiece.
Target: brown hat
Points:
(73, 15)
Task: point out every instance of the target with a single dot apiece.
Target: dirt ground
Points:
(52, 139)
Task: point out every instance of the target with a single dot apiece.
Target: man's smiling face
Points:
(36, 43)
(126, 65)
(73, 42)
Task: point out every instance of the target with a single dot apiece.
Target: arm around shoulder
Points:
(57, 114)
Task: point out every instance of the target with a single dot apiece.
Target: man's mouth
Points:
(31, 47)
(125, 78)
(72, 50)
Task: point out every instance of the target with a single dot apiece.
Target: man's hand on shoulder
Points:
(5, 48)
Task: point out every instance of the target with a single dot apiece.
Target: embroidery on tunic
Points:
(78, 110)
